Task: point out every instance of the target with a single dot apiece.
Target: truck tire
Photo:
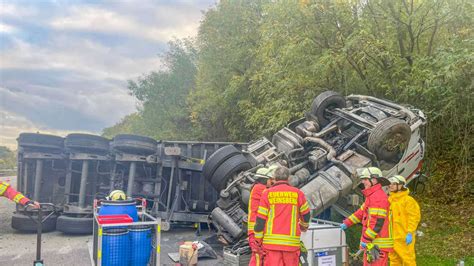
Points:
(389, 139)
(23, 223)
(75, 225)
(134, 144)
(228, 169)
(216, 159)
(86, 143)
(326, 100)
(36, 140)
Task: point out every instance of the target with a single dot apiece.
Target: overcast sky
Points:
(64, 64)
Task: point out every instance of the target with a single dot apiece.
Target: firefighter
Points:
(263, 180)
(282, 215)
(7, 191)
(405, 216)
(374, 216)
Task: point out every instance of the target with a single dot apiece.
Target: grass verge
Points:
(447, 232)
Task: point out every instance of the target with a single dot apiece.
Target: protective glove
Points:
(343, 226)
(33, 204)
(253, 244)
(256, 245)
(260, 249)
(363, 245)
(409, 238)
(304, 227)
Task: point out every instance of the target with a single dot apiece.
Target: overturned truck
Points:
(322, 150)
(72, 172)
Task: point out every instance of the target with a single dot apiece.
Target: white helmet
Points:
(398, 179)
(266, 172)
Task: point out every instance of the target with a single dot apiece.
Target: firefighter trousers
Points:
(402, 254)
(256, 259)
(381, 261)
(281, 258)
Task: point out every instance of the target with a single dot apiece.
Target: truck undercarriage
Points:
(322, 150)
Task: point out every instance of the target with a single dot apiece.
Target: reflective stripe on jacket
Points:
(405, 213)
(282, 208)
(254, 200)
(375, 217)
(7, 191)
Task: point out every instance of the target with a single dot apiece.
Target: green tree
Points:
(130, 124)
(7, 158)
(163, 111)
(227, 41)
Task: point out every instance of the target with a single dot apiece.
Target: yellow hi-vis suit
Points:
(405, 217)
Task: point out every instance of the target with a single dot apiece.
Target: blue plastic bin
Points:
(140, 240)
(119, 207)
(116, 247)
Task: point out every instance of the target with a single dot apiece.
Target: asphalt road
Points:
(59, 249)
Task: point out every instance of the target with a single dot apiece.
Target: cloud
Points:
(5, 28)
(72, 53)
(82, 81)
(12, 10)
(11, 125)
(161, 23)
(64, 66)
(60, 112)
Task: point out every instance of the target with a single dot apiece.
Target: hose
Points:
(324, 132)
(298, 167)
(331, 151)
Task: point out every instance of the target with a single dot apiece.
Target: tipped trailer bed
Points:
(71, 172)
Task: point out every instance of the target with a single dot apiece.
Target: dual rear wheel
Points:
(223, 165)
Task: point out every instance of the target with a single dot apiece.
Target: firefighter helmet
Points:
(266, 172)
(372, 172)
(117, 195)
(397, 179)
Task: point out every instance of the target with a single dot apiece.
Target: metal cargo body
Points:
(41, 167)
(40, 176)
(184, 194)
(71, 172)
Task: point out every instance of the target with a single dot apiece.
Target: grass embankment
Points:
(448, 232)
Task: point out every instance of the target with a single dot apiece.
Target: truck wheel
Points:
(74, 225)
(228, 169)
(216, 159)
(23, 223)
(134, 144)
(86, 143)
(165, 226)
(389, 139)
(326, 100)
(40, 140)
